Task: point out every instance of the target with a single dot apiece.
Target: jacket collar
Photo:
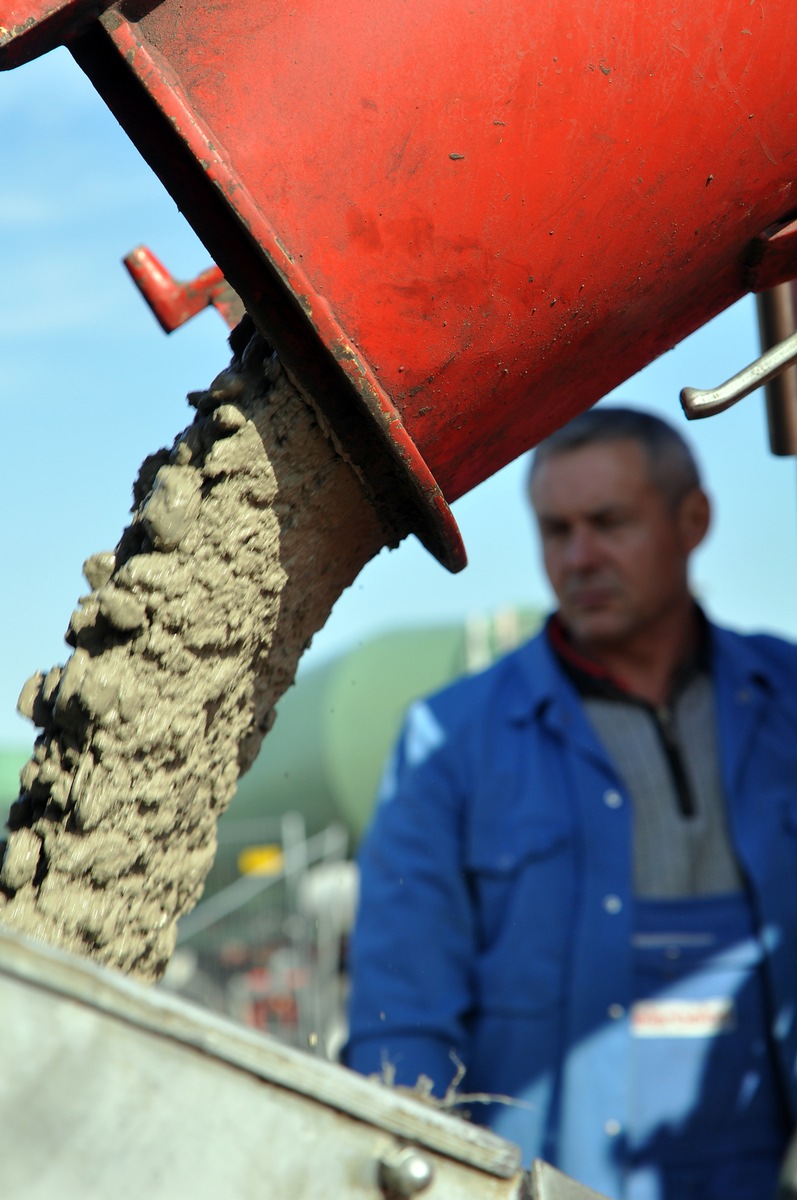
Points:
(745, 678)
(544, 681)
(737, 667)
(743, 685)
(734, 660)
(548, 695)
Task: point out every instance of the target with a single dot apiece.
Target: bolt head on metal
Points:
(404, 1172)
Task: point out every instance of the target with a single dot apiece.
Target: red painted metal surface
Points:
(461, 224)
(175, 301)
(29, 28)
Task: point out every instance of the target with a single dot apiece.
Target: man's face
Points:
(615, 553)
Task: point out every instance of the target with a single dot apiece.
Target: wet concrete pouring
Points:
(243, 536)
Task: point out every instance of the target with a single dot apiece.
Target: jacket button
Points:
(612, 904)
(612, 798)
(612, 1127)
(616, 1011)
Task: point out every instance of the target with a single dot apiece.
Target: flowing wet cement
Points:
(243, 536)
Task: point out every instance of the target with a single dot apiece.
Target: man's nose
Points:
(581, 550)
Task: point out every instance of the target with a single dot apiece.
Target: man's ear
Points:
(694, 519)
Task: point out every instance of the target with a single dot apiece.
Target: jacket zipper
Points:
(668, 736)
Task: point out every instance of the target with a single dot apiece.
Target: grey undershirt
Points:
(675, 855)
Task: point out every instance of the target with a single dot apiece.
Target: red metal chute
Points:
(459, 224)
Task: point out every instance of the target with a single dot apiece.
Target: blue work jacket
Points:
(497, 910)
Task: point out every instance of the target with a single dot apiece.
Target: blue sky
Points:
(89, 385)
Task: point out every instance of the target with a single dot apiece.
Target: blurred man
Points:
(580, 880)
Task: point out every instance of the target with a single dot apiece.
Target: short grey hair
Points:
(672, 465)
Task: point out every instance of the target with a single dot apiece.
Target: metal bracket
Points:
(174, 301)
(697, 403)
(772, 265)
(773, 257)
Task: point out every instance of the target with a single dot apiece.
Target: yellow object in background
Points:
(261, 860)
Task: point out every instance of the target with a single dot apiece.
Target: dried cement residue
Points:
(243, 537)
